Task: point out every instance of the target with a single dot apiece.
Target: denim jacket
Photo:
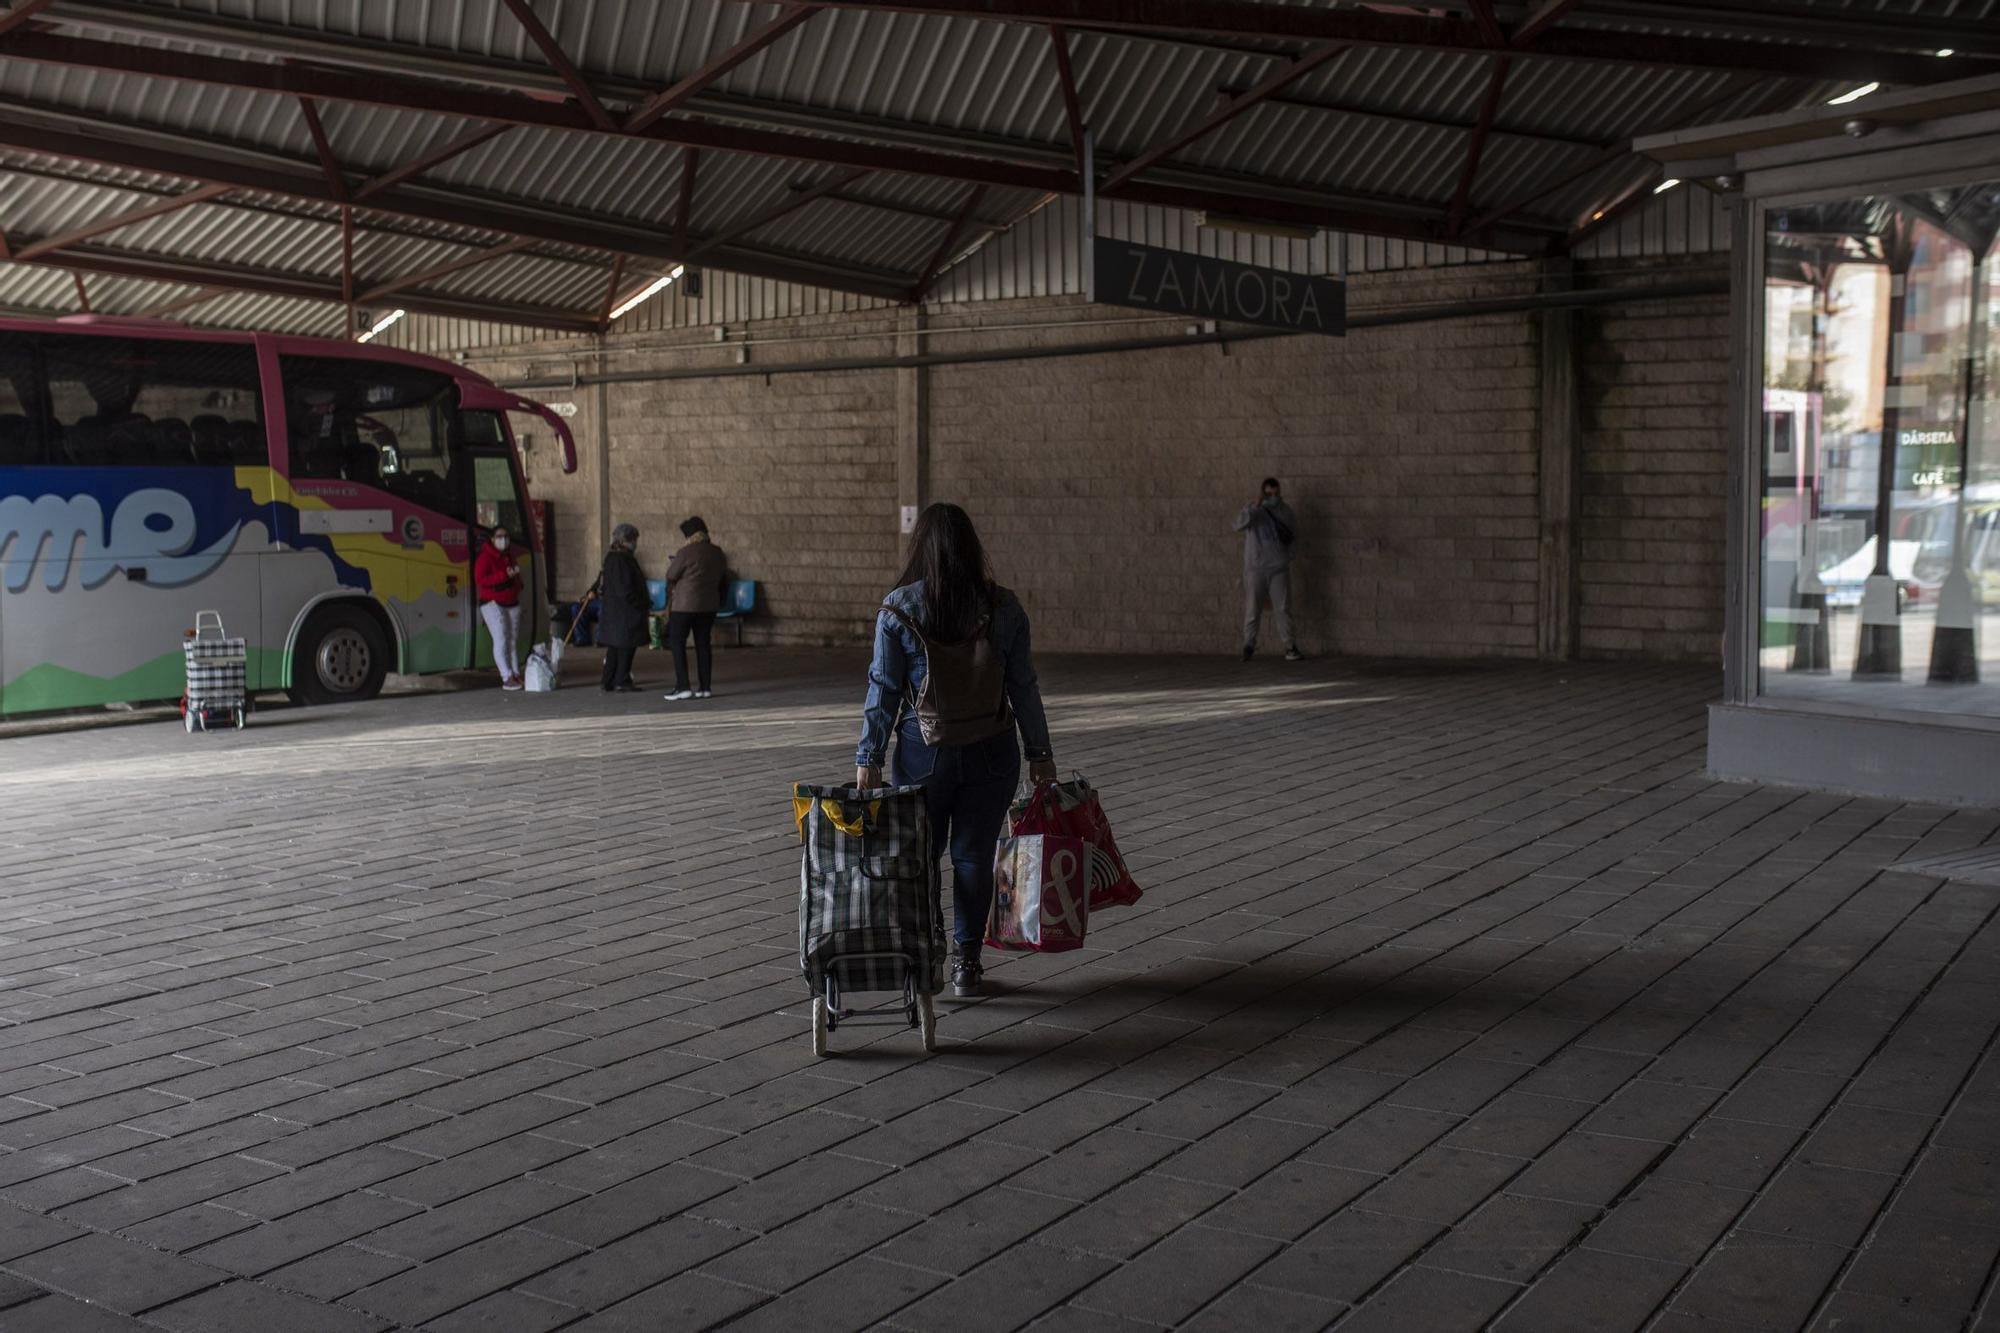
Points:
(898, 671)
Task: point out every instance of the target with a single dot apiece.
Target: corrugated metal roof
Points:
(896, 80)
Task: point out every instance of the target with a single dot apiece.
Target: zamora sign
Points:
(1150, 278)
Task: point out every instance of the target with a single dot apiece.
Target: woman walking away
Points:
(696, 577)
(622, 603)
(498, 581)
(954, 678)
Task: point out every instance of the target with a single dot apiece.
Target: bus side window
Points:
(20, 402)
(133, 402)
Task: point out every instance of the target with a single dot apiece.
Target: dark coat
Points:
(698, 576)
(622, 597)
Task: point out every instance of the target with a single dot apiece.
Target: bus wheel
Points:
(341, 657)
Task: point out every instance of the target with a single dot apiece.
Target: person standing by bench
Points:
(622, 604)
(697, 576)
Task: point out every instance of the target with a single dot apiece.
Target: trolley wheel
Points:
(242, 716)
(188, 720)
(819, 1025)
(927, 1013)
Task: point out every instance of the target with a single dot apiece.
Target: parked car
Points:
(1844, 582)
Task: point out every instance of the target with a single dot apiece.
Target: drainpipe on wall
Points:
(913, 422)
(1560, 457)
(603, 449)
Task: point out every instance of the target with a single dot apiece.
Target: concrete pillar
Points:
(913, 422)
(603, 451)
(1561, 469)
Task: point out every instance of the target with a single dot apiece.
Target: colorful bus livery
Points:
(326, 497)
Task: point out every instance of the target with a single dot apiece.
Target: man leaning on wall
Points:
(1269, 533)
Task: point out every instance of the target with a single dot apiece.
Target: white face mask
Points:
(500, 543)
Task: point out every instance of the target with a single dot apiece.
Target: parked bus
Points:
(326, 497)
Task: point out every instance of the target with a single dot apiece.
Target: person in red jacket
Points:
(498, 581)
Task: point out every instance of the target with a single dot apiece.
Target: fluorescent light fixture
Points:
(1667, 184)
(647, 293)
(1946, 52)
(382, 324)
(1854, 96)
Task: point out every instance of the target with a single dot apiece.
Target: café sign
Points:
(1149, 278)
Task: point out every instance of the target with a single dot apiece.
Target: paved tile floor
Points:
(1458, 999)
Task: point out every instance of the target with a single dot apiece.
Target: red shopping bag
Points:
(1073, 810)
(1041, 896)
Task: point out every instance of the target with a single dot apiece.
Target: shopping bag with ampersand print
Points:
(1041, 893)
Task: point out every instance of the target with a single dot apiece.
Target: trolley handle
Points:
(206, 621)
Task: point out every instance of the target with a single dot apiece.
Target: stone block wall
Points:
(795, 476)
(1107, 485)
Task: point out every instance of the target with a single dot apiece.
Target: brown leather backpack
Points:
(964, 695)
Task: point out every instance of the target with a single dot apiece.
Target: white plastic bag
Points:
(540, 673)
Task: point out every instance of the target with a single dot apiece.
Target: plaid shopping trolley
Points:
(216, 676)
(869, 915)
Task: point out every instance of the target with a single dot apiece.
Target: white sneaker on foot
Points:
(675, 696)
(703, 694)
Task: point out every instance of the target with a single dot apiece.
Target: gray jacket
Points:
(1263, 549)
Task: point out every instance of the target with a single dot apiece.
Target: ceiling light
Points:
(647, 293)
(1854, 96)
(1598, 216)
(1946, 52)
(1666, 185)
(381, 324)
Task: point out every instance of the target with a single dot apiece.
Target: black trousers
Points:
(679, 623)
(618, 665)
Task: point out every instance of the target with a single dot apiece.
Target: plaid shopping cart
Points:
(217, 675)
(869, 915)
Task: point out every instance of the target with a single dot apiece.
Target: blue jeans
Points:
(968, 789)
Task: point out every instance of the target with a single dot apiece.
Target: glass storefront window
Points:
(1880, 475)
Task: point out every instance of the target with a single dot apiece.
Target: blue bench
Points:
(742, 600)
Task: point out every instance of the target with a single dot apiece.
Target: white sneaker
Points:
(675, 696)
(704, 694)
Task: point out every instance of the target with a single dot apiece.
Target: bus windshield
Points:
(378, 423)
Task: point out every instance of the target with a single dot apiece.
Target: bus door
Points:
(497, 501)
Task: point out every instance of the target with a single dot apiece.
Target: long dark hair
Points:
(946, 555)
